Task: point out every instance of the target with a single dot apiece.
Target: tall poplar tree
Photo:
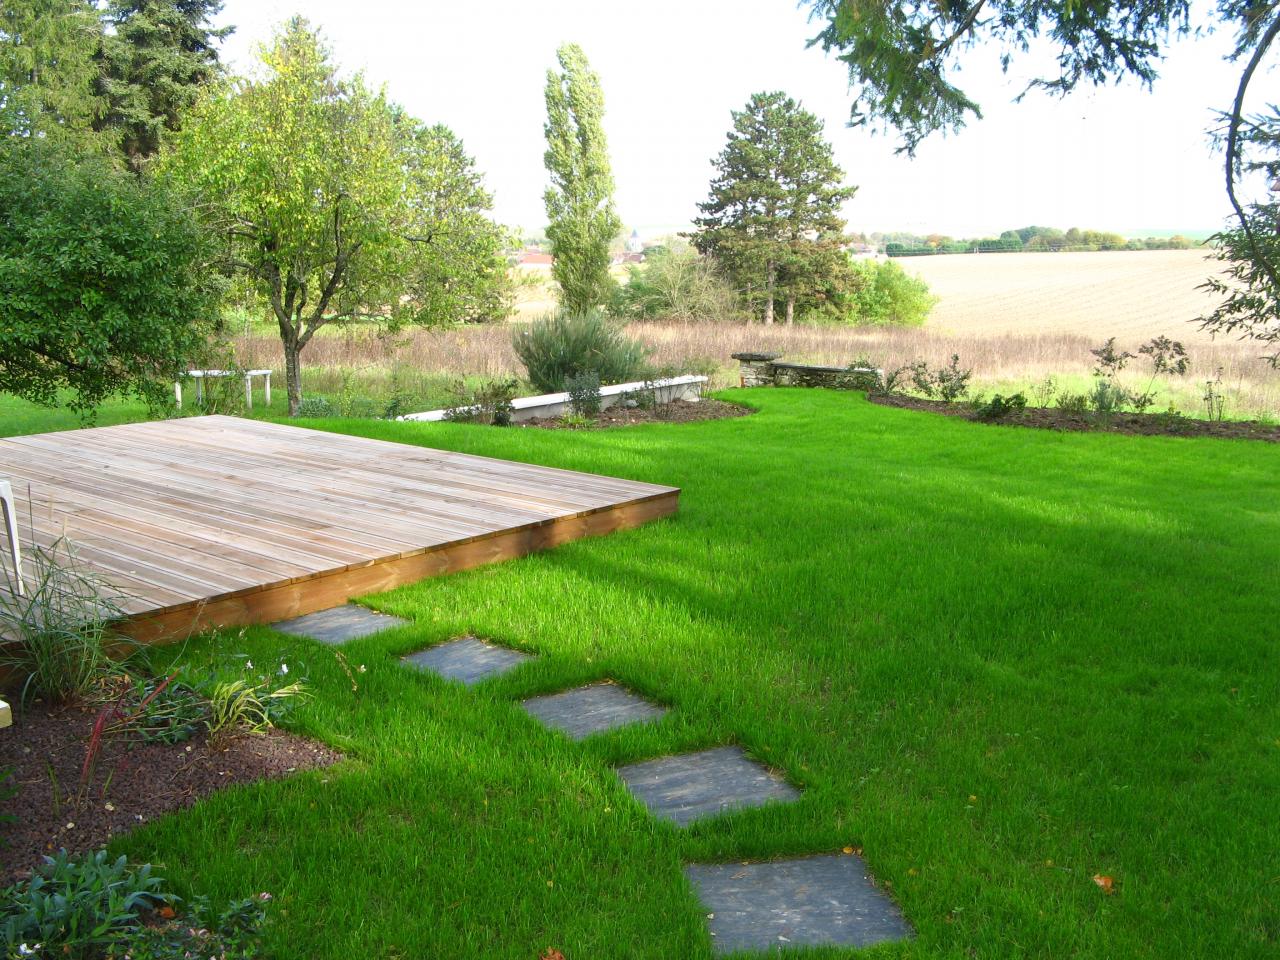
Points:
(580, 199)
(773, 218)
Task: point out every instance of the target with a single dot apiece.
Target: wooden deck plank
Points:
(218, 520)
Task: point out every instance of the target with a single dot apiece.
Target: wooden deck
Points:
(216, 521)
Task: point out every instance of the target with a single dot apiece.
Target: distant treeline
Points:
(1024, 240)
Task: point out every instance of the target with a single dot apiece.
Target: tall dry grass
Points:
(999, 360)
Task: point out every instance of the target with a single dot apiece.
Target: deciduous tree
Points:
(579, 201)
(104, 280)
(333, 203)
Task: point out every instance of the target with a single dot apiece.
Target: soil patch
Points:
(677, 411)
(1051, 418)
(131, 782)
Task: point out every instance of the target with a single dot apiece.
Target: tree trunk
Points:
(791, 311)
(293, 375)
(768, 293)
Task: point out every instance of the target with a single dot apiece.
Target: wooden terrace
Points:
(221, 521)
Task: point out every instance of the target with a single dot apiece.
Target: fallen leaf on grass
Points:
(1107, 884)
(552, 954)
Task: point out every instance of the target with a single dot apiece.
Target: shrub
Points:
(316, 407)
(949, 382)
(999, 407)
(490, 403)
(59, 629)
(886, 294)
(566, 345)
(1074, 403)
(677, 285)
(584, 394)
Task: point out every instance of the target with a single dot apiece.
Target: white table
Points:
(199, 377)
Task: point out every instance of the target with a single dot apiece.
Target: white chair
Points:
(11, 527)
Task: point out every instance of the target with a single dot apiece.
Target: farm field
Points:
(1130, 295)
(1015, 661)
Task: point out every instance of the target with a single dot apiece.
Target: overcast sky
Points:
(1118, 158)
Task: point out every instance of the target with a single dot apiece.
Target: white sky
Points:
(1118, 158)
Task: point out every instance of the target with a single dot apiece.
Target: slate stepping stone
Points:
(591, 709)
(694, 785)
(338, 624)
(466, 659)
(811, 901)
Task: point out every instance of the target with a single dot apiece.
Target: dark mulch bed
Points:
(1050, 418)
(131, 782)
(678, 411)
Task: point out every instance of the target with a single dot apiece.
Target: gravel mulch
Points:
(1051, 418)
(678, 411)
(130, 783)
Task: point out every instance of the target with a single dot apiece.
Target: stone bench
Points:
(767, 370)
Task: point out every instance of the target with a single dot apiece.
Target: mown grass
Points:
(1000, 661)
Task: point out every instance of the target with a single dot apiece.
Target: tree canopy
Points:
(579, 200)
(104, 287)
(773, 217)
(333, 203)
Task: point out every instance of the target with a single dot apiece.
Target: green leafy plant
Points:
(76, 907)
(566, 345)
(999, 407)
(1168, 357)
(316, 407)
(1076, 404)
(253, 707)
(1215, 401)
(584, 393)
(1045, 391)
(490, 403)
(202, 933)
(574, 420)
(952, 381)
(95, 908)
(59, 628)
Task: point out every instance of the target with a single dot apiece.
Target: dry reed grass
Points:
(999, 360)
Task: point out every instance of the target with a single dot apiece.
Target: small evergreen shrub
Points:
(584, 393)
(567, 345)
(999, 407)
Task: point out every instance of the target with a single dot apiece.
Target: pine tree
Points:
(773, 218)
(155, 58)
(580, 199)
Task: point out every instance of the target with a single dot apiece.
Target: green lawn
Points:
(1000, 660)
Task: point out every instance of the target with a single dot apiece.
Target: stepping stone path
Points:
(337, 625)
(592, 709)
(466, 659)
(694, 785)
(811, 901)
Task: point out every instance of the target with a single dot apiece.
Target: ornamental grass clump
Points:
(55, 634)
